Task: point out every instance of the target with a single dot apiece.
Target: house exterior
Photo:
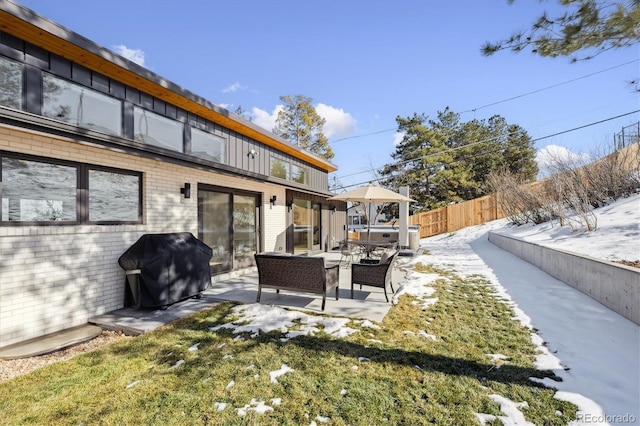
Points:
(96, 151)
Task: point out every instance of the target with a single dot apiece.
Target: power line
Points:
(586, 125)
(549, 87)
(362, 136)
(490, 139)
(502, 101)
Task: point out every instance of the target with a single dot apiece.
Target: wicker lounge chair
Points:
(306, 274)
(375, 273)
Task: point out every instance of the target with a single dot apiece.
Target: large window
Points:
(208, 146)
(113, 196)
(42, 191)
(80, 106)
(154, 129)
(34, 191)
(11, 87)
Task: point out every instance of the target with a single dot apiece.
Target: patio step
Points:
(51, 342)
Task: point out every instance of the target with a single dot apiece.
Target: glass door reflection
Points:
(245, 235)
(214, 217)
(306, 226)
(228, 223)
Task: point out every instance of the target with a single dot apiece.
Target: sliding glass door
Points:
(245, 232)
(306, 226)
(228, 223)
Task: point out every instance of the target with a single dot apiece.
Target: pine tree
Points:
(446, 160)
(591, 26)
(299, 123)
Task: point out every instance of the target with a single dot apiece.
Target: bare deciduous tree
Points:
(572, 192)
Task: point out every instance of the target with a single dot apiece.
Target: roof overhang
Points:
(31, 27)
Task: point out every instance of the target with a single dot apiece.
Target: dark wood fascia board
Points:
(31, 27)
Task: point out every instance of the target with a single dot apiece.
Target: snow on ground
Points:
(255, 318)
(617, 236)
(594, 350)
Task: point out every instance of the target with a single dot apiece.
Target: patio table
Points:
(370, 246)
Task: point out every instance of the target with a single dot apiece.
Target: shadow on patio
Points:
(368, 303)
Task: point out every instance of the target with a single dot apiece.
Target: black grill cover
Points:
(173, 267)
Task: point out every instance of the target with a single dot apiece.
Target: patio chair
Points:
(348, 253)
(374, 273)
(308, 274)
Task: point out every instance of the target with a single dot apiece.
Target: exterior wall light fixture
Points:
(186, 190)
(252, 153)
(272, 200)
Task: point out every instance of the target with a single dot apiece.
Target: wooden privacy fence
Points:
(457, 216)
(485, 209)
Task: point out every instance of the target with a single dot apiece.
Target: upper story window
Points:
(284, 170)
(85, 99)
(11, 87)
(154, 129)
(279, 168)
(298, 174)
(208, 146)
(80, 106)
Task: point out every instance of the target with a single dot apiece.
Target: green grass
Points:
(409, 380)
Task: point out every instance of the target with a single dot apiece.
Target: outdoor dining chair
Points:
(374, 273)
(349, 253)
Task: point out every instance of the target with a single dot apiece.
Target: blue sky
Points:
(365, 62)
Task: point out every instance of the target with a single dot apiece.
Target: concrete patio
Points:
(368, 303)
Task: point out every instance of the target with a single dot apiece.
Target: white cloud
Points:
(234, 87)
(552, 156)
(134, 55)
(338, 122)
(397, 138)
(265, 119)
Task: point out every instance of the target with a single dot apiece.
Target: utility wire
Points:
(502, 101)
(488, 140)
(362, 136)
(586, 125)
(548, 87)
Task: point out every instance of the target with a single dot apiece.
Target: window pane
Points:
(279, 169)
(113, 197)
(154, 129)
(80, 106)
(302, 225)
(36, 191)
(208, 146)
(298, 174)
(244, 231)
(11, 87)
(214, 228)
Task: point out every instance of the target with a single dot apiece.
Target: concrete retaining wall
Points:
(613, 285)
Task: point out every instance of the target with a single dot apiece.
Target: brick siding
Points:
(55, 277)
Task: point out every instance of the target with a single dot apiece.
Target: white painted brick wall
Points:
(55, 277)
